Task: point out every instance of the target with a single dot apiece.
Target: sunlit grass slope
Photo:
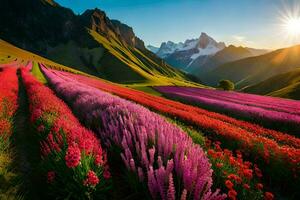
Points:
(131, 62)
(18, 56)
(285, 85)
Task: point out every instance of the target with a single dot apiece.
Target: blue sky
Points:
(254, 23)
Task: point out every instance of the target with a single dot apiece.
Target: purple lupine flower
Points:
(171, 189)
(148, 142)
(151, 153)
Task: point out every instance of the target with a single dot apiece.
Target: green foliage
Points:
(9, 183)
(226, 85)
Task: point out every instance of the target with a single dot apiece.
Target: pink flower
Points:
(92, 179)
(73, 156)
(106, 174)
(50, 176)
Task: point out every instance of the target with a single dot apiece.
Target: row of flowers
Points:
(283, 116)
(8, 99)
(266, 102)
(281, 162)
(72, 160)
(159, 154)
(9, 186)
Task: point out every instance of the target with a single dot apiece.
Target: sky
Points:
(252, 23)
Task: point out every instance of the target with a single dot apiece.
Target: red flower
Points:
(219, 165)
(50, 176)
(92, 179)
(246, 186)
(259, 186)
(229, 184)
(73, 156)
(106, 174)
(248, 173)
(98, 160)
(232, 194)
(232, 176)
(238, 180)
(5, 127)
(268, 196)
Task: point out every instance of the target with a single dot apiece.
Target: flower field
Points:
(272, 112)
(98, 139)
(277, 150)
(8, 100)
(71, 155)
(138, 132)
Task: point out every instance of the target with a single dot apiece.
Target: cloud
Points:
(242, 40)
(239, 38)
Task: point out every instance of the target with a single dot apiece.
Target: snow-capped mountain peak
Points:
(167, 48)
(153, 49)
(204, 45)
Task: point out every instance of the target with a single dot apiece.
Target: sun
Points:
(292, 26)
(289, 16)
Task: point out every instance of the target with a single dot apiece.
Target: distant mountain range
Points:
(252, 70)
(90, 42)
(198, 56)
(183, 54)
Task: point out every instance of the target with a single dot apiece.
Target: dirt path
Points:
(26, 147)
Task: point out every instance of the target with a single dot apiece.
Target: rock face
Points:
(98, 21)
(205, 41)
(36, 25)
(126, 34)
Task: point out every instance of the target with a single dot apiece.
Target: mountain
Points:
(249, 71)
(182, 55)
(257, 52)
(167, 48)
(199, 56)
(153, 49)
(286, 85)
(231, 53)
(90, 42)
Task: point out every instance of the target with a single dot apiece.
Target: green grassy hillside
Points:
(20, 57)
(128, 65)
(285, 85)
(253, 70)
(90, 42)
